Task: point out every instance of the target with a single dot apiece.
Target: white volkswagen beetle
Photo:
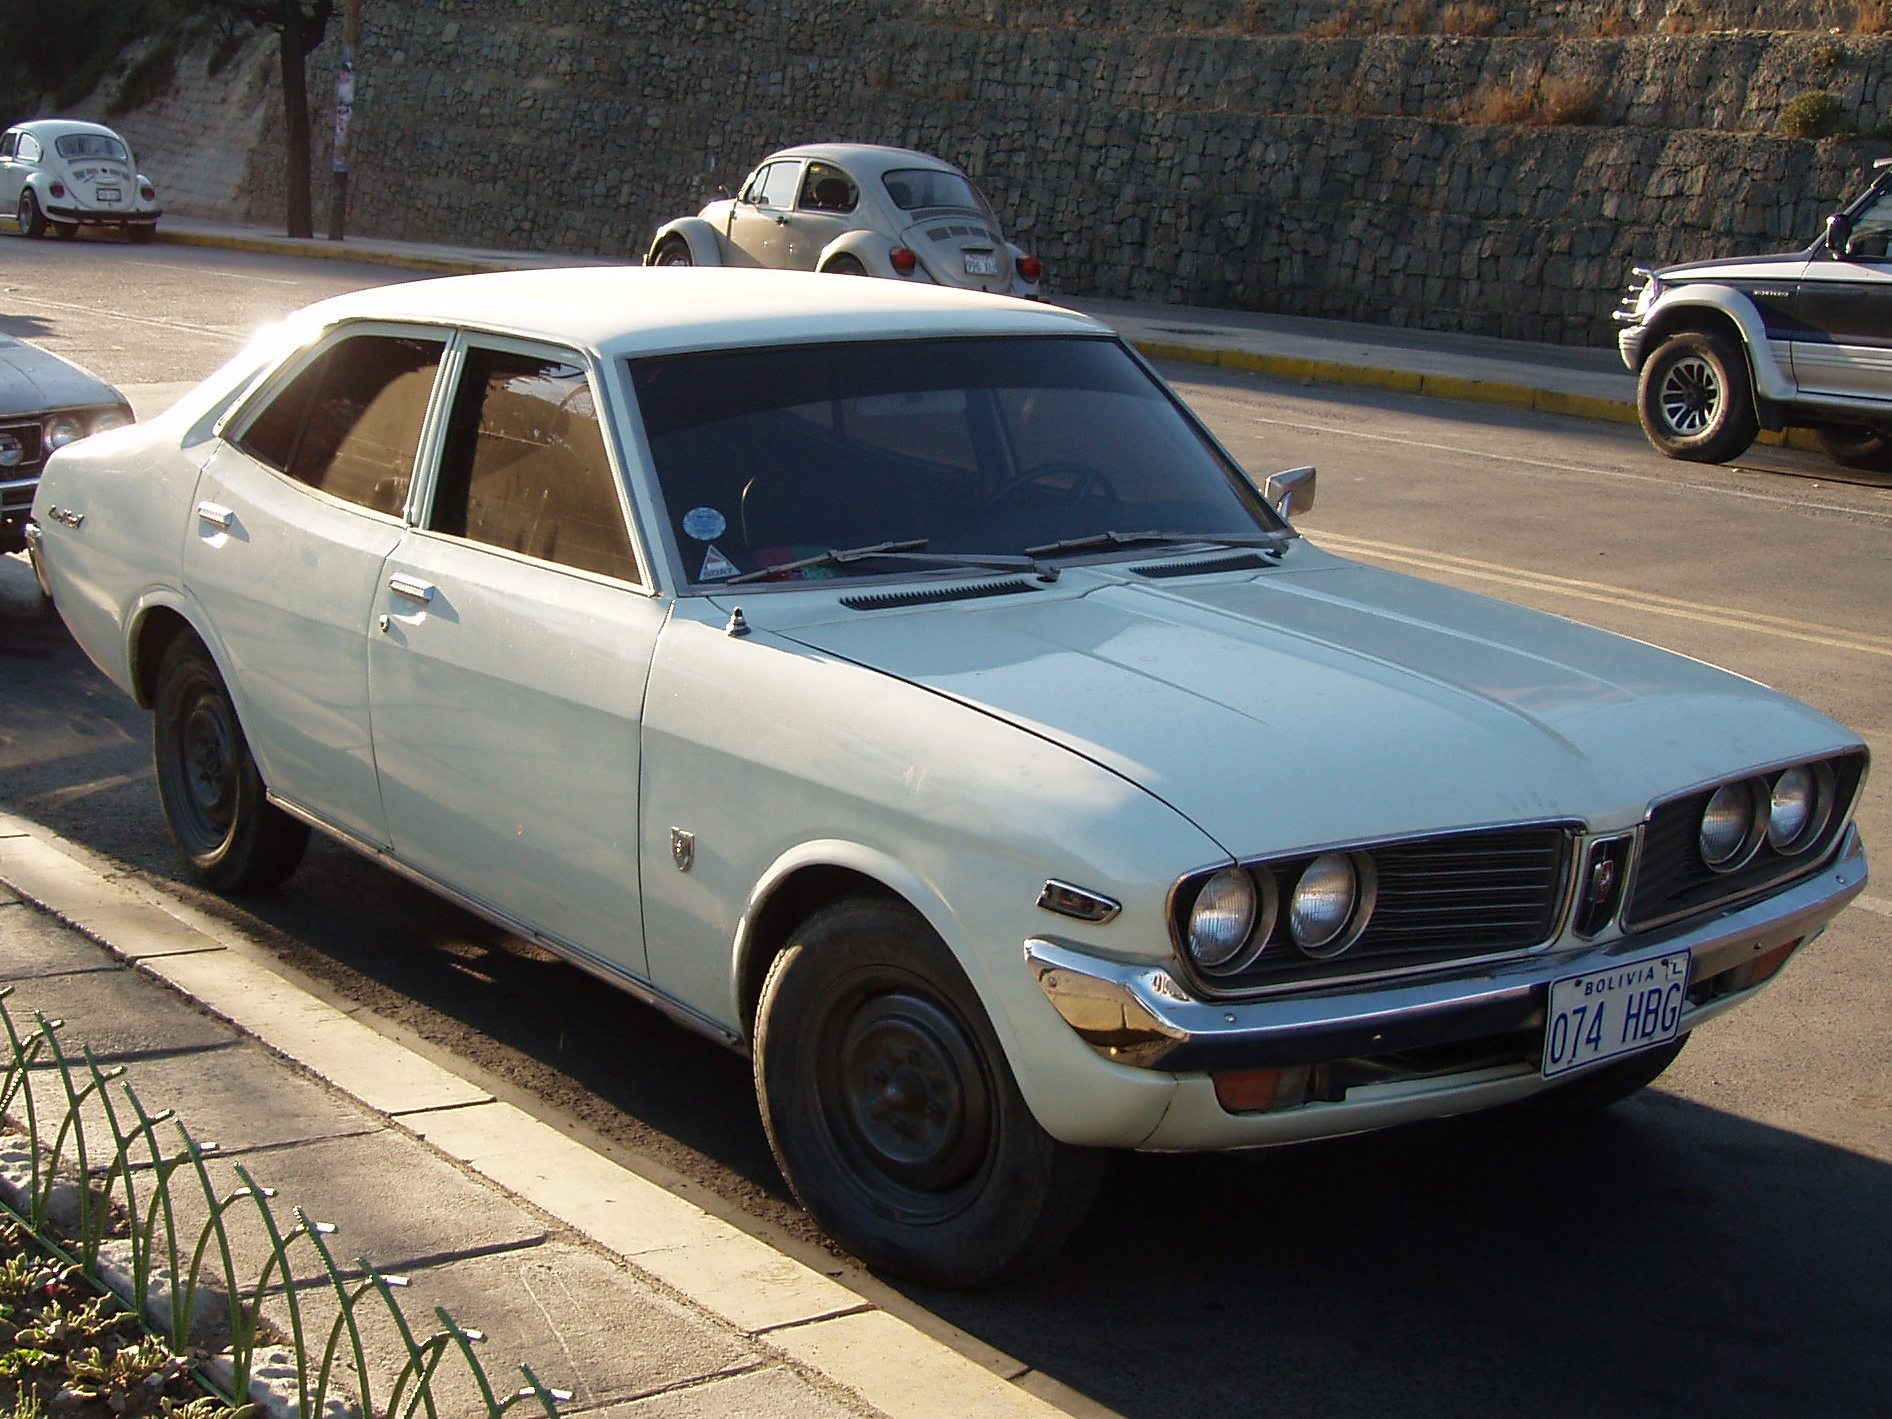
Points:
(855, 209)
(901, 685)
(62, 174)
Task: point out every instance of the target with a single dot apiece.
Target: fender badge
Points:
(682, 849)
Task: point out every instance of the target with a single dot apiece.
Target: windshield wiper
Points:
(911, 550)
(1268, 541)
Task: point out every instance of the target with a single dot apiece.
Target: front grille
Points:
(28, 435)
(1672, 881)
(1439, 900)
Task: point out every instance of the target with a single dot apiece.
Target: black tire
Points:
(1610, 1084)
(32, 221)
(1857, 447)
(231, 837)
(845, 266)
(891, 1110)
(1696, 399)
(672, 251)
(65, 231)
(142, 232)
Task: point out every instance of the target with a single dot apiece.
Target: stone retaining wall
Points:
(1200, 151)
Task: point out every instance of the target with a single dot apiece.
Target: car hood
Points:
(34, 381)
(1778, 266)
(1328, 701)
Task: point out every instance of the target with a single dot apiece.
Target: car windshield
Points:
(980, 447)
(913, 188)
(75, 146)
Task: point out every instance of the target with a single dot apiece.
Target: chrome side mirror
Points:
(1839, 232)
(1290, 491)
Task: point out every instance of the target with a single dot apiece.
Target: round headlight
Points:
(1323, 903)
(1728, 826)
(1798, 807)
(11, 451)
(62, 430)
(1222, 919)
(110, 419)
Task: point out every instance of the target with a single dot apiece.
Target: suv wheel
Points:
(1857, 447)
(1695, 399)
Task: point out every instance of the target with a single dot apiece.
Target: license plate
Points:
(977, 265)
(1602, 1014)
(108, 194)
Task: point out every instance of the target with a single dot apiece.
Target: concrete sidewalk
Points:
(1553, 379)
(633, 1299)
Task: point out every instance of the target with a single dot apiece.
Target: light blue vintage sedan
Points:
(901, 686)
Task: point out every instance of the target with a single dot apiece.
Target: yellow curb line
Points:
(326, 251)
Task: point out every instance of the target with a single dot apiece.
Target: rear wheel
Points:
(232, 838)
(845, 266)
(65, 231)
(1695, 398)
(142, 232)
(1857, 447)
(892, 1112)
(32, 221)
(673, 251)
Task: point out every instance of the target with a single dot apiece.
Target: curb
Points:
(809, 1319)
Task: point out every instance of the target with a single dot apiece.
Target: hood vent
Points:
(933, 596)
(1202, 566)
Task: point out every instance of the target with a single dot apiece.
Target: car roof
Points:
(617, 311)
(59, 127)
(863, 157)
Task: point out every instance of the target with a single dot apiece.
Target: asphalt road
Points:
(1717, 1246)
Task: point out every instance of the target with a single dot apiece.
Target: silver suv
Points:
(1724, 349)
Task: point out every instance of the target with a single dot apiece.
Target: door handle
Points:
(411, 588)
(216, 515)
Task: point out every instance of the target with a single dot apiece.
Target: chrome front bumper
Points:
(1142, 1015)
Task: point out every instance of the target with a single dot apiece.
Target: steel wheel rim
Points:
(1691, 395)
(208, 771)
(908, 1102)
(25, 215)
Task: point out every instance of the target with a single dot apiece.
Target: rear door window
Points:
(349, 423)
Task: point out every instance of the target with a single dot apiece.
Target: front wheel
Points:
(1695, 399)
(1857, 447)
(232, 837)
(672, 251)
(892, 1112)
(32, 221)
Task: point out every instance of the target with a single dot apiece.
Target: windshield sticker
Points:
(716, 567)
(705, 524)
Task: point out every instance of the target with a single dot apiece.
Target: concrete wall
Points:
(1201, 151)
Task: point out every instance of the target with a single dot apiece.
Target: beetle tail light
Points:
(1030, 267)
(903, 260)
(58, 189)
(148, 192)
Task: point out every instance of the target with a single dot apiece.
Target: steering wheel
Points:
(1084, 481)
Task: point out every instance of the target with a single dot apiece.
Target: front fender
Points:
(1693, 306)
(705, 247)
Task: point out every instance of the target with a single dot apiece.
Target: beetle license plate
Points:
(986, 264)
(1602, 1014)
(108, 194)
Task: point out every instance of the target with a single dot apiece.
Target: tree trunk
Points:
(295, 48)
